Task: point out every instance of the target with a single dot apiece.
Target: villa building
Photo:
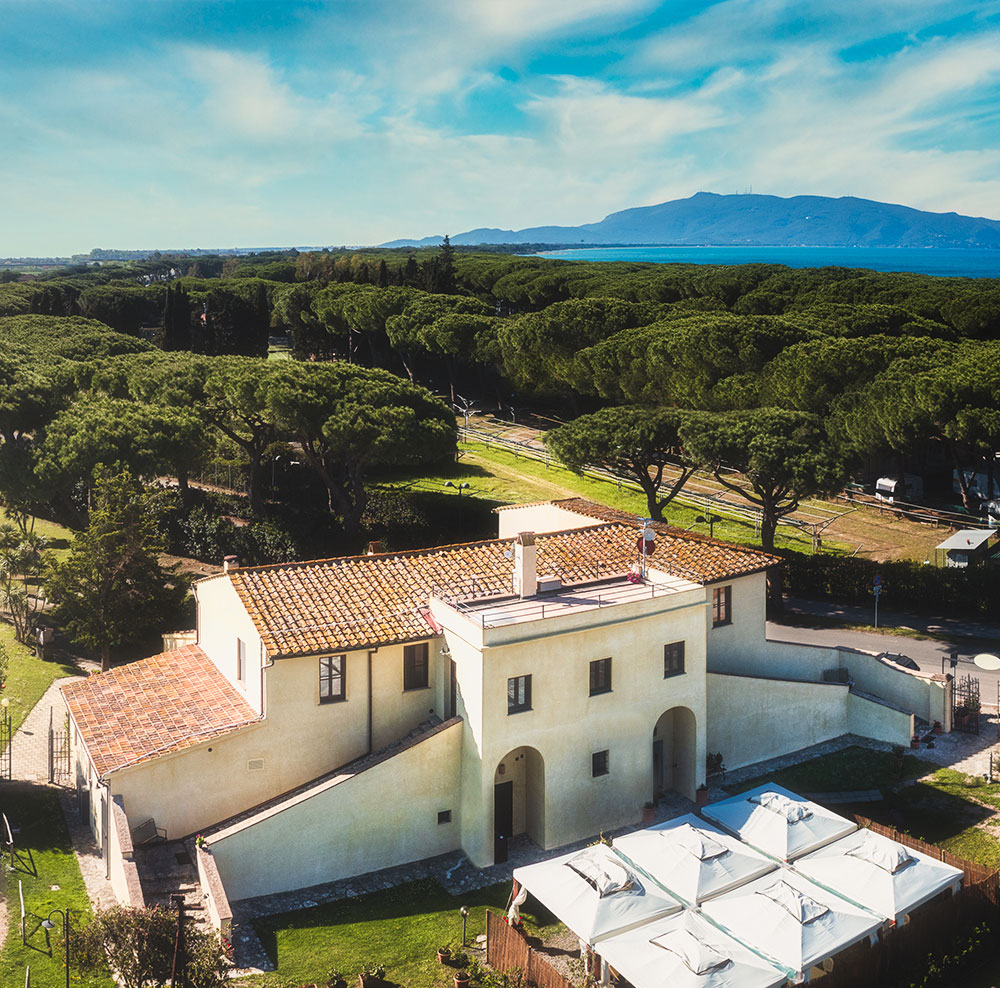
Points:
(334, 717)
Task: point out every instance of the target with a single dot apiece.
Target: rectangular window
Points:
(444, 817)
(673, 659)
(518, 694)
(600, 676)
(241, 660)
(722, 606)
(331, 678)
(599, 763)
(415, 666)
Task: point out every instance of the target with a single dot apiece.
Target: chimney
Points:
(525, 572)
(230, 562)
(374, 548)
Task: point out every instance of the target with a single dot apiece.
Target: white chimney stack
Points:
(525, 569)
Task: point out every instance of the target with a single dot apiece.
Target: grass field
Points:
(400, 928)
(50, 877)
(497, 475)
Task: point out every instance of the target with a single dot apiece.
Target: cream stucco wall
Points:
(875, 720)
(566, 725)
(540, 518)
(384, 816)
(748, 628)
(750, 719)
(222, 620)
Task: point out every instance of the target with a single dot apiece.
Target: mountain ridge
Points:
(708, 219)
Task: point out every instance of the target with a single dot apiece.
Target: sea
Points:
(953, 262)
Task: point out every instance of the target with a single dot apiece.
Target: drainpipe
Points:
(371, 652)
(264, 664)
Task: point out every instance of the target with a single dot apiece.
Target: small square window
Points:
(599, 763)
(331, 678)
(518, 694)
(444, 817)
(722, 606)
(673, 659)
(415, 666)
(600, 676)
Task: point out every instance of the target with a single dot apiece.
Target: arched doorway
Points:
(675, 746)
(518, 800)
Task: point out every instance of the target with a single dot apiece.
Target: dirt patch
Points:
(884, 537)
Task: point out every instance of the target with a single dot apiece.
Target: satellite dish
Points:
(987, 661)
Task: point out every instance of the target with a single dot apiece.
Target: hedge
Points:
(906, 586)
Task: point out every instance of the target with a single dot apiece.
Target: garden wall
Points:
(124, 872)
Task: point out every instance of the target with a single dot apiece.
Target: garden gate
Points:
(59, 759)
(5, 739)
(965, 704)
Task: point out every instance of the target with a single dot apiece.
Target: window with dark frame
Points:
(673, 659)
(722, 606)
(415, 666)
(518, 694)
(331, 678)
(599, 763)
(600, 676)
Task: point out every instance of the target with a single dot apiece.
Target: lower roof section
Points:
(157, 705)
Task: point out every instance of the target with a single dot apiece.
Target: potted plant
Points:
(648, 813)
(444, 954)
(701, 795)
(462, 979)
(915, 741)
(372, 975)
(938, 729)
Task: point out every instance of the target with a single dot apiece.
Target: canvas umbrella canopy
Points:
(686, 951)
(879, 873)
(791, 921)
(692, 859)
(595, 892)
(778, 822)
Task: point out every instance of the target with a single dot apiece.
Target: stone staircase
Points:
(168, 869)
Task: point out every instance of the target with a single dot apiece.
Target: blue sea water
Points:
(956, 262)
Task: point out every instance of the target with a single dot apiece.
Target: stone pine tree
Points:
(446, 267)
(112, 590)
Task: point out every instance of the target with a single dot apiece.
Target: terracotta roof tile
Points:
(160, 704)
(361, 601)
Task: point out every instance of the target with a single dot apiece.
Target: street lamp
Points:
(464, 486)
(710, 521)
(465, 917)
(47, 925)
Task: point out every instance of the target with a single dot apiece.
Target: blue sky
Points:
(160, 123)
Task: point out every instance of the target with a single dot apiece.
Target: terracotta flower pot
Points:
(444, 956)
(648, 814)
(701, 797)
(461, 980)
(915, 741)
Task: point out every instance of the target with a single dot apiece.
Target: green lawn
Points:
(495, 474)
(27, 676)
(59, 537)
(401, 928)
(50, 875)
(841, 771)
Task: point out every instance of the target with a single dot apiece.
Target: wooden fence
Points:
(942, 926)
(507, 950)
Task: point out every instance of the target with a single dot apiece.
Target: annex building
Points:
(334, 717)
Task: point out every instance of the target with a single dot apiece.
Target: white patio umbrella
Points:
(692, 859)
(686, 951)
(879, 873)
(778, 822)
(791, 921)
(595, 892)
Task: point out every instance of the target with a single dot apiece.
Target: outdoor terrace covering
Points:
(686, 951)
(595, 892)
(778, 822)
(160, 704)
(878, 873)
(692, 859)
(790, 920)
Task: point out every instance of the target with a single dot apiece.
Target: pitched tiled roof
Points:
(160, 704)
(362, 601)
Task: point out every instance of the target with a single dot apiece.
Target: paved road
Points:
(927, 653)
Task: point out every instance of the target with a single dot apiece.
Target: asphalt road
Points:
(927, 653)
